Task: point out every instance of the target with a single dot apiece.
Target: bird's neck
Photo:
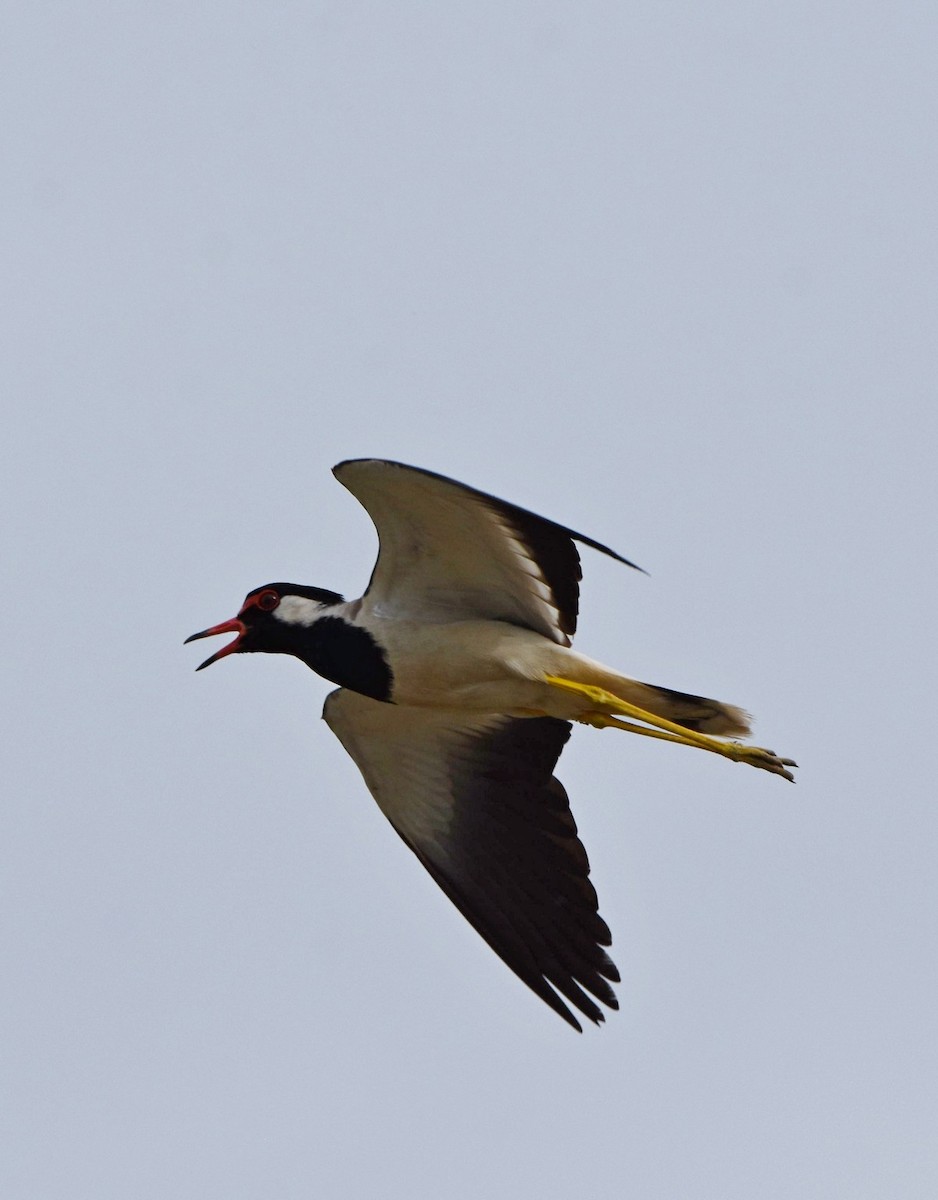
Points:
(344, 653)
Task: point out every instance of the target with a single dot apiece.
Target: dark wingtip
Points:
(594, 545)
(627, 561)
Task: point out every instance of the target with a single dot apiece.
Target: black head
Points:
(269, 620)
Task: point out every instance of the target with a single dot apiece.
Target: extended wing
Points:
(475, 799)
(451, 553)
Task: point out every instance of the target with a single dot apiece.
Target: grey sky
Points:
(666, 273)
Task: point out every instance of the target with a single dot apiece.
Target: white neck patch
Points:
(298, 610)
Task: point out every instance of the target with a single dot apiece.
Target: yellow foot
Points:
(604, 703)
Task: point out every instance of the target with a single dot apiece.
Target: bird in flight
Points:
(457, 690)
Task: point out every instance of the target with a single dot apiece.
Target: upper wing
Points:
(475, 799)
(449, 553)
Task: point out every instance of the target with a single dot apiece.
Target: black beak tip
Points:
(234, 626)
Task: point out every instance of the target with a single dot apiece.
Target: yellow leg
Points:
(605, 703)
(600, 720)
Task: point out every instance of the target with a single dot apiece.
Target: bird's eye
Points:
(268, 601)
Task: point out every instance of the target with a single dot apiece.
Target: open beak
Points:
(232, 626)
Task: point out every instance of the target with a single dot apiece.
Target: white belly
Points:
(483, 666)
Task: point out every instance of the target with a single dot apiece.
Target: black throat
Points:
(344, 654)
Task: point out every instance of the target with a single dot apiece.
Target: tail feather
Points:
(698, 713)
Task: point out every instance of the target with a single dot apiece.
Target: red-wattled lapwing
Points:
(457, 686)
